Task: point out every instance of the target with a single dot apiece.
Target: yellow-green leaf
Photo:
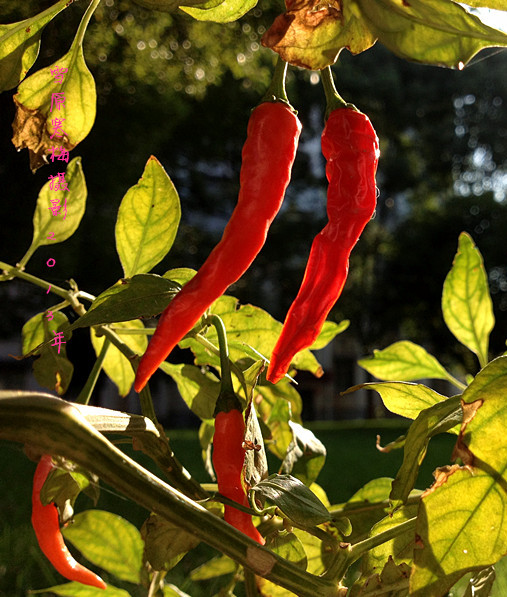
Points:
(49, 229)
(403, 398)
(19, 45)
(77, 589)
(466, 302)
(108, 541)
(404, 361)
(117, 367)
(148, 220)
(34, 121)
(213, 568)
(429, 31)
(225, 11)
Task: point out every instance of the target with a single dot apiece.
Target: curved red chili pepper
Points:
(267, 158)
(47, 530)
(350, 146)
(228, 459)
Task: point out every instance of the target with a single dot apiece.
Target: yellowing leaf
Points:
(148, 220)
(225, 11)
(19, 45)
(35, 124)
(466, 303)
(311, 34)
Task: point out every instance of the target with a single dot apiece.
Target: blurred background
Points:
(183, 91)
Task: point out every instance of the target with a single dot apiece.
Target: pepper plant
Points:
(275, 531)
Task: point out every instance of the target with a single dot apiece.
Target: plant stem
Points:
(276, 91)
(334, 101)
(250, 584)
(213, 349)
(225, 368)
(84, 22)
(10, 270)
(56, 427)
(87, 390)
(350, 508)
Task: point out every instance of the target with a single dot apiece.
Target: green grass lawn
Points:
(352, 461)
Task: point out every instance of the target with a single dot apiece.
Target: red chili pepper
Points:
(47, 530)
(228, 459)
(267, 158)
(350, 146)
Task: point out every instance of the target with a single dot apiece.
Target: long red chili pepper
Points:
(267, 158)
(47, 530)
(228, 459)
(350, 146)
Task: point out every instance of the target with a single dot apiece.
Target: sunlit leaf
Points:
(403, 361)
(49, 229)
(466, 302)
(225, 11)
(77, 589)
(429, 31)
(117, 367)
(403, 398)
(148, 220)
(468, 501)
(34, 123)
(108, 541)
(306, 455)
(19, 45)
(213, 568)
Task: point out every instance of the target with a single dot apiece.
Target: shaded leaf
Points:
(33, 126)
(305, 456)
(481, 583)
(108, 541)
(116, 365)
(143, 295)
(429, 31)
(77, 589)
(165, 543)
(466, 302)
(255, 466)
(391, 582)
(148, 220)
(214, 568)
(293, 498)
(19, 45)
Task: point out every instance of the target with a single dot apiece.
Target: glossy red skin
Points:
(47, 530)
(267, 158)
(350, 146)
(228, 458)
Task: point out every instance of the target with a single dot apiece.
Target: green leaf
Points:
(462, 521)
(305, 456)
(225, 11)
(289, 547)
(116, 365)
(214, 568)
(466, 302)
(199, 390)
(32, 124)
(311, 35)
(148, 220)
(329, 331)
(391, 582)
(143, 295)
(481, 583)
(404, 361)
(429, 31)
(278, 417)
(108, 541)
(77, 589)
(20, 43)
(496, 4)
(173, 591)
(436, 419)
(49, 229)
(165, 544)
(403, 398)
(293, 498)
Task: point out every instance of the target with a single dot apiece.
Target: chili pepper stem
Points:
(333, 99)
(276, 91)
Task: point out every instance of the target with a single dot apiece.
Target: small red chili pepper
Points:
(267, 158)
(47, 530)
(228, 459)
(350, 146)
